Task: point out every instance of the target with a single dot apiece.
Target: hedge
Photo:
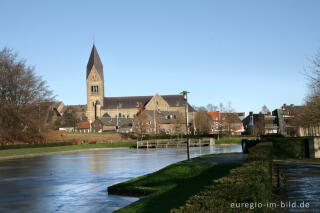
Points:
(289, 147)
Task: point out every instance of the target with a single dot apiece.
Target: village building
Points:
(260, 124)
(101, 107)
(83, 126)
(226, 123)
(286, 119)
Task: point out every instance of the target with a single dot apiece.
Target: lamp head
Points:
(185, 95)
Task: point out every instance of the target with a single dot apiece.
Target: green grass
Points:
(171, 186)
(26, 151)
(252, 182)
(230, 140)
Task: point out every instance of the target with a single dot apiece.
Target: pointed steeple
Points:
(95, 60)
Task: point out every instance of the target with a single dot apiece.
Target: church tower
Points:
(95, 85)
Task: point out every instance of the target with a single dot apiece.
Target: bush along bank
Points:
(288, 147)
(242, 190)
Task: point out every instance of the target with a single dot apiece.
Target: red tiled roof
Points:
(213, 115)
(83, 125)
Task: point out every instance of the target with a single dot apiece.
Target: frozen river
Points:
(78, 181)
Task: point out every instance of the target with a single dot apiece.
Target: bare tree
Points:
(141, 123)
(203, 122)
(21, 95)
(265, 110)
(309, 118)
(212, 108)
(178, 123)
(69, 119)
(229, 119)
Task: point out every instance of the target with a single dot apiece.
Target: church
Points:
(99, 106)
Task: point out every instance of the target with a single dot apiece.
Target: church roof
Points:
(133, 101)
(122, 122)
(95, 60)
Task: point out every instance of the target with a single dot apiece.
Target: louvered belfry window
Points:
(94, 89)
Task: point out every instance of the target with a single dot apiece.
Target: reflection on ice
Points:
(78, 181)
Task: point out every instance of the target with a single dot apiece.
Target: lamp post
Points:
(185, 98)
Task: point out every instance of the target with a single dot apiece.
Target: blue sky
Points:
(248, 52)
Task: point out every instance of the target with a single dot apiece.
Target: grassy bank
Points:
(172, 185)
(231, 140)
(251, 182)
(42, 150)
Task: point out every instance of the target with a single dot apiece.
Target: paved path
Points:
(236, 157)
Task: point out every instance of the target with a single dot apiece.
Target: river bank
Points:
(184, 178)
(33, 152)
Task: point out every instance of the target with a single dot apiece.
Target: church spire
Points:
(95, 60)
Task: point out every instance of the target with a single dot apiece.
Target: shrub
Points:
(290, 147)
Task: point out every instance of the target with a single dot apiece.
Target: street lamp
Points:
(185, 98)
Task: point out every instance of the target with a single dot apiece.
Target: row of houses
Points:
(282, 121)
(155, 122)
(279, 121)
